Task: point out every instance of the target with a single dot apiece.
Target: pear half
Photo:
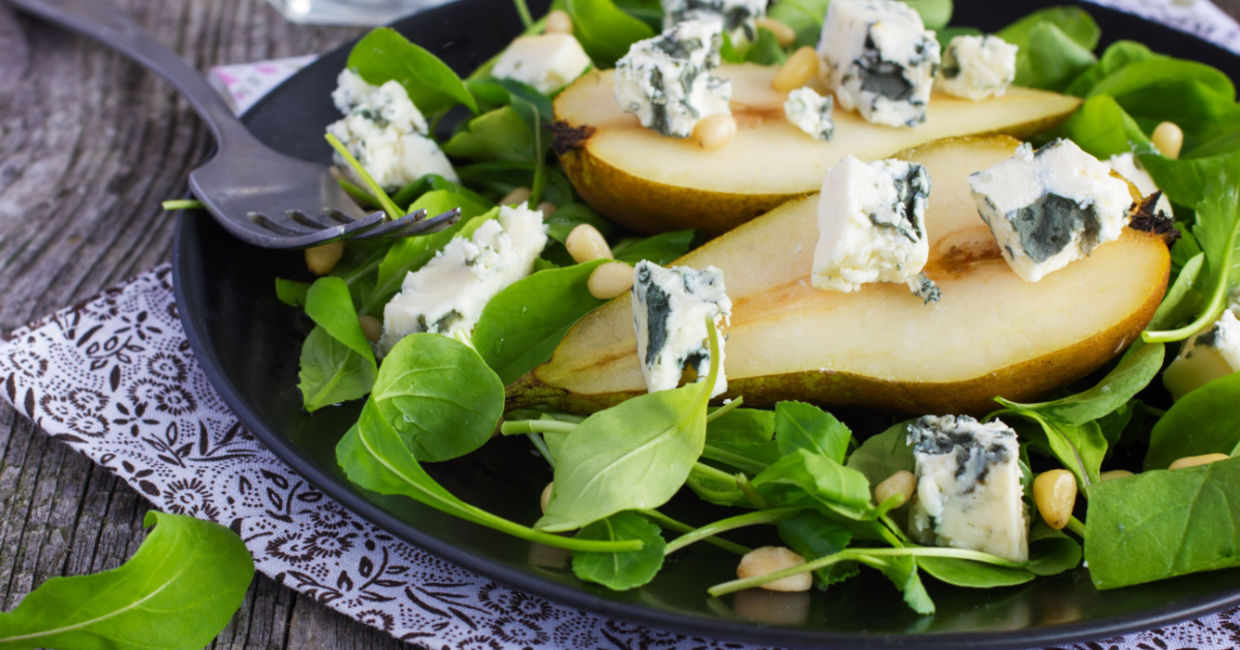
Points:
(651, 183)
(992, 334)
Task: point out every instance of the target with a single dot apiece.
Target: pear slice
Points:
(652, 183)
(992, 333)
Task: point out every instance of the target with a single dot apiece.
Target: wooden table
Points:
(89, 145)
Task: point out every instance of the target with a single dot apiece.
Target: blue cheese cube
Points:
(1051, 207)
(666, 80)
(670, 308)
(871, 226)
(1127, 165)
(810, 112)
(977, 67)
(1211, 353)
(447, 295)
(738, 15)
(968, 486)
(386, 133)
(548, 62)
(880, 60)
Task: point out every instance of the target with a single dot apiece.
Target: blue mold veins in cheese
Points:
(977, 67)
(670, 308)
(738, 15)
(810, 112)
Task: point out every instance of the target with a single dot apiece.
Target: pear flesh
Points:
(652, 183)
(991, 334)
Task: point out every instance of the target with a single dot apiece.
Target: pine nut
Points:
(714, 131)
(546, 497)
(586, 243)
(322, 259)
(1054, 492)
(1193, 461)
(902, 483)
(372, 327)
(1114, 474)
(610, 280)
(796, 71)
(767, 559)
(784, 35)
(559, 22)
(547, 208)
(517, 196)
(1168, 138)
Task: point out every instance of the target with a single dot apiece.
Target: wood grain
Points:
(89, 145)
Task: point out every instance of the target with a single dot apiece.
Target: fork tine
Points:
(412, 224)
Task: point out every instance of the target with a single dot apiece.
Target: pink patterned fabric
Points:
(114, 378)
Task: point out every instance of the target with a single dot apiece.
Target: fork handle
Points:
(105, 22)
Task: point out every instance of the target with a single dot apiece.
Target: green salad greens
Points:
(805, 475)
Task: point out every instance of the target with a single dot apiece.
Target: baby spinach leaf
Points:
(716, 486)
(500, 134)
(1130, 376)
(374, 457)
(520, 326)
(384, 55)
(1163, 523)
(883, 454)
(1080, 447)
(934, 13)
(766, 49)
(1181, 301)
(622, 570)
(178, 591)
(418, 391)
(1051, 58)
(1116, 56)
(805, 426)
(1101, 127)
(336, 361)
(1050, 551)
(1204, 421)
(291, 292)
(569, 216)
(803, 16)
(812, 535)
(809, 480)
(977, 575)
(605, 32)
(1073, 22)
(660, 249)
(440, 201)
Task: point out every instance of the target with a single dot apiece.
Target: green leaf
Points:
(805, 426)
(374, 457)
(418, 391)
(1102, 128)
(811, 535)
(384, 55)
(1205, 421)
(566, 217)
(934, 13)
(977, 575)
(521, 326)
(1051, 59)
(412, 253)
(291, 292)
(803, 16)
(1079, 447)
(626, 570)
(901, 570)
(500, 134)
(716, 486)
(331, 373)
(1163, 523)
(741, 438)
(605, 32)
(1181, 301)
(660, 249)
(178, 591)
(1116, 56)
(809, 480)
(766, 49)
(329, 305)
(1050, 551)
(1130, 376)
(440, 201)
(883, 454)
(1073, 22)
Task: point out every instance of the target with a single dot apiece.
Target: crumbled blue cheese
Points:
(1051, 207)
(1211, 353)
(1127, 165)
(810, 112)
(548, 62)
(977, 67)
(738, 15)
(880, 59)
(447, 295)
(666, 80)
(871, 226)
(670, 308)
(386, 133)
(968, 486)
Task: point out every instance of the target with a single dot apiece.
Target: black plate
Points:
(248, 344)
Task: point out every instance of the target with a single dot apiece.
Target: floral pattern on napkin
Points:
(115, 379)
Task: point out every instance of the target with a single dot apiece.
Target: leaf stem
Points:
(681, 527)
(719, 412)
(536, 426)
(742, 482)
(181, 204)
(1217, 299)
(392, 210)
(542, 448)
(523, 10)
(1077, 526)
(743, 463)
(731, 523)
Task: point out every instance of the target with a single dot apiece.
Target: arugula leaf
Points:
(1051, 551)
(1103, 128)
(1139, 365)
(811, 535)
(741, 438)
(883, 454)
(623, 570)
(1073, 22)
(291, 292)
(660, 249)
(178, 591)
(1163, 523)
(1116, 56)
(1204, 421)
(1181, 301)
(1050, 58)
(804, 479)
(499, 134)
(384, 55)
(805, 426)
(605, 32)
(418, 391)
(632, 456)
(521, 326)
(716, 486)
(374, 457)
(336, 361)
(569, 216)
(1079, 447)
(968, 573)
(901, 570)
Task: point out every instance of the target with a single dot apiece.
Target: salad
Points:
(1090, 464)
